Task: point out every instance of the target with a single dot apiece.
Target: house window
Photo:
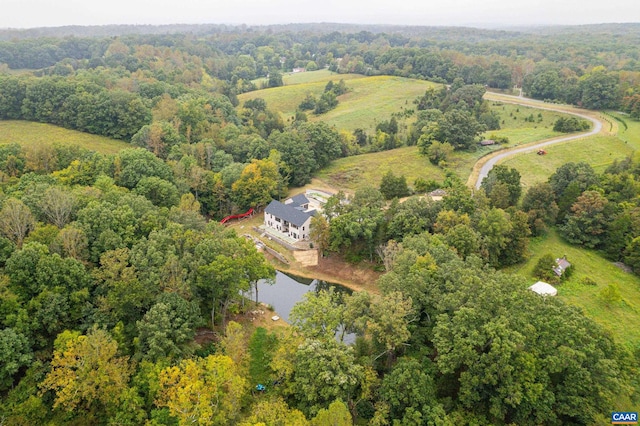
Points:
(277, 219)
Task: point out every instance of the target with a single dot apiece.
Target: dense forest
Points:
(111, 264)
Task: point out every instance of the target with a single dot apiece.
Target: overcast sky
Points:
(49, 13)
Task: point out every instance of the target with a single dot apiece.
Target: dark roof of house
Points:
(287, 212)
(561, 264)
(298, 200)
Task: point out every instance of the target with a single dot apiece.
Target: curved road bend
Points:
(484, 170)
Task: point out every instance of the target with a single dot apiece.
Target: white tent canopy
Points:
(544, 289)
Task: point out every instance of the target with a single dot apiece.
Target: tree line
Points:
(595, 69)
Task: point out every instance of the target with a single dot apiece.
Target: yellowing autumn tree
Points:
(258, 184)
(86, 371)
(205, 391)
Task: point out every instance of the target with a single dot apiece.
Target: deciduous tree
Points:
(15, 353)
(16, 220)
(87, 372)
(58, 206)
(540, 206)
(167, 328)
(587, 222)
(208, 391)
(324, 370)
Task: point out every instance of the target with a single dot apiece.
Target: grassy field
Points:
(629, 132)
(599, 151)
(316, 76)
(29, 134)
(517, 129)
(369, 100)
(623, 318)
(367, 169)
(324, 75)
(353, 172)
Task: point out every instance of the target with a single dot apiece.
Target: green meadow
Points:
(368, 101)
(622, 319)
(351, 173)
(30, 134)
(514, 124)
(599, 151)
(367, 169)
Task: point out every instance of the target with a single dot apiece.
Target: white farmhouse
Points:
(293, 218)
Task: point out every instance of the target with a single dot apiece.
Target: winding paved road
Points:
(518, 100)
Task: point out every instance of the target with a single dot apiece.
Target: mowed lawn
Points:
(351, 173)
(629, 132)
(373, 99)
(30, 134)
(369, 100)
(598, 151)
(513, 123)
(622, 318)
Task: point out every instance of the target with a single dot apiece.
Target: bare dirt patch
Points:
(335, 269)
(306, 257)
(259, 315)
(624, 267)
(205, 335)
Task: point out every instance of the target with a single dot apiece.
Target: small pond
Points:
(287, 290)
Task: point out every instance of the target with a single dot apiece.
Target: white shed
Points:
(544, 289)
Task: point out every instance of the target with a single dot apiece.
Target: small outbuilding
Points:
(544, 289)
(562, 264)
(437, 195)
(487, 142)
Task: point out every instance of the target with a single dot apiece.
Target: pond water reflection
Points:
(289, 289)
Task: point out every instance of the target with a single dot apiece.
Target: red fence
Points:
(237, 216)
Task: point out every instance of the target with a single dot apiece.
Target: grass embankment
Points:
(368, 101)
(622, 319)
(628, 129)
(30, 135)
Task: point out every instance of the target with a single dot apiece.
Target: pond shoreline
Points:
(347, 275)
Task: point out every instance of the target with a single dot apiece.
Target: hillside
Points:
(592, 274)
(30, 134)
(369, 100)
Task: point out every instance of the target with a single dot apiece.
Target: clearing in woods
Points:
(622, 318)
(30, 134)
